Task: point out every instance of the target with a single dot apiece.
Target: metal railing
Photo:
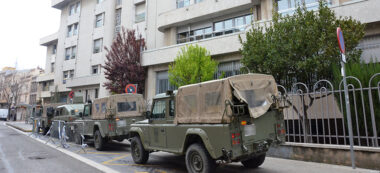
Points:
(317, 115)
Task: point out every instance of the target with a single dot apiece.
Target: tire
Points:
(254, 162)
(139, 154)
(78, 139)
(45, 130)
(99, 141)
(198, 160)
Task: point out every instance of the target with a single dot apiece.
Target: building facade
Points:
(168, 25)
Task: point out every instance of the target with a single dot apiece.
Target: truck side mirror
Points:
(81, 114)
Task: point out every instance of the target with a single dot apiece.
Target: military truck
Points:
(230, 120)
(43, 116)
(68, 113)
(109, 118)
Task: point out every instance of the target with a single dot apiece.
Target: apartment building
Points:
(167, 26)
(76, 52)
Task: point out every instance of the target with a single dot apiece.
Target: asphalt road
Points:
(20, 153)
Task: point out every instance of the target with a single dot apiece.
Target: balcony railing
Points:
(212, 34)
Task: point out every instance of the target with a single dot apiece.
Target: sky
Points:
(23, 23)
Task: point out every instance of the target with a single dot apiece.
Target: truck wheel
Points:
(99, 141)
(198, 160)
(139, 154)
(254, 162)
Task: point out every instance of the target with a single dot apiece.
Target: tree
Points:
(302, 47)
(193, 64)
(11, 89)
(123, 65)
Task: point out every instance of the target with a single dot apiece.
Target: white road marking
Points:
(76, 156)
(5, 161)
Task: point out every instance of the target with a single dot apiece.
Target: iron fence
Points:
(316, 114)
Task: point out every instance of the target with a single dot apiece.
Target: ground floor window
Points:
(162, 82)
(227, 69)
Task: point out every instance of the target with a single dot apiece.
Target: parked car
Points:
(109, 118)
(4, 114)
(233, 120)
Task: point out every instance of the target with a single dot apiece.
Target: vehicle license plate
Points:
(121, 123)
(249, 130)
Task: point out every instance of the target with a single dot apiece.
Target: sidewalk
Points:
(21, 126)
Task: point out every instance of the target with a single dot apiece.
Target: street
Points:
(21, 153)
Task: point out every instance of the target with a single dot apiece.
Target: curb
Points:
(18, 128)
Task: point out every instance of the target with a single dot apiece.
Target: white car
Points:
(3, 114)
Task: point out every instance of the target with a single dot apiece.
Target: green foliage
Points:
(302, 47)
(363, 72)
(193, 64)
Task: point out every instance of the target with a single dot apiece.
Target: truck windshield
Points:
(86, 111)
(159, 109)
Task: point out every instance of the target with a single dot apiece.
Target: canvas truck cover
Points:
(205, 102)
(118, 106)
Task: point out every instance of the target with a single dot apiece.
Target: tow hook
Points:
(245, 149)
(227, 155)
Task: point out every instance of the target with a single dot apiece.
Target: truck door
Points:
(157, 131)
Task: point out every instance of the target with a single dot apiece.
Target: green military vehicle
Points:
(109, 118)
(43, 116)
(68, 113)
(231, 120)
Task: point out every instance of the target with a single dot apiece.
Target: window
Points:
(126, 106)
(117, 21)
(95, 69)
(183, 3)
(96, 93)
(71, 74)
(73, 52)
(86, 111)
(70, 53)
(69, 31)
(72, 30)
(198, 34)
(99, 20)
(99, 1)
(75, 29)
(54, 50)
(119, 2)
(197, 1)
(227, 69)
(65, 74)
(103, 108)
(162, 82)
(74, 9)
(98, 45)
(52, 67)
(171, 108)
(67, 53)
(288, 6)
(159, 109)
(140, 13)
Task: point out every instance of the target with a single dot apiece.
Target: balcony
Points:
(48, 40)
(366, 11)
(59, 4)
(216, 45)
(205, 10)
(83, 81)
(45, 77)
